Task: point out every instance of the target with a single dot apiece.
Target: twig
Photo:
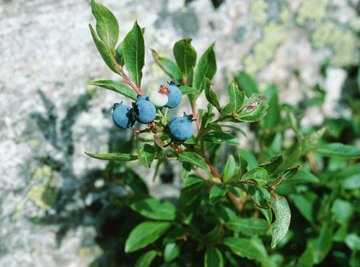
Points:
(127, 80)
(312, 162)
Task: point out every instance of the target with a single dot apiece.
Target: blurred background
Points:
(49, 115)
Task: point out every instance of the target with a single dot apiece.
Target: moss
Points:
(258, 10)
(87, 253)
(285, 14)
(43, 195)
(342, 43)
(312, 10)
(273, 35)
(44, 171)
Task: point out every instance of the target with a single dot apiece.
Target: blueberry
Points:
(174, 96)
(159, 97)
(145, 111)
(181, 128)
(122, 116)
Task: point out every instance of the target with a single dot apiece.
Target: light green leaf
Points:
(171, 252)
(236, 97)
(248, 226)
(218, 191)
(107, 26)
(338, 150)
(246, 83)
(104, 51)
(306, 259)
(257, 174)
(282, 213)
(146, 259)
(206, 67)
(213, 258)
(302, 177)
(185, 56)
(193, 158)
(134, 53)
(272, 117)
(244, 247)
(229, 169)
(155, 209)
(146, 155)
(273, 165)
(322, 244)
(144, 234)
(342, 211)
(216, 137)
(187, 90)
(113, 156)
(210, 94)
(117, 87)
(168, 66)
(352, 182)
(254, 110)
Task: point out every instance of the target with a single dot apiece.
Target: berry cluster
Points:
(144, 110)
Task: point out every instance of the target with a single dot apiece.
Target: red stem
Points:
(127, 80)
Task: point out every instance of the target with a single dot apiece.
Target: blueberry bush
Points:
(290, 200)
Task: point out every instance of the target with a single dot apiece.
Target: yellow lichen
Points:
(43, 195)
(42, 172)
(312, 10)
(258, 10)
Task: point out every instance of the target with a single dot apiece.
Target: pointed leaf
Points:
(113, 156)
(144, 234)
(146, 155)
(206, 68)
(229, 169)
(119, 54)
(257, 174)
(193, 158)
(104, 51)
(244, 247)
(185, 56)
(218, 191)
(286, 175)
(168, 66)
(134, 53)
(210, 94)
(220, 137)
(254, 110)
(117, 87)
(171, 252)
(213, 258)
(146, 259)
(236, 97)
(187, 90)
(282, 213)
(248, 226)
(339, 150)
(107, 26)
(155, 209)
(246, 83)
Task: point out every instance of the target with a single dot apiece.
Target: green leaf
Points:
(246, 83)
(286, 175)
(302, 177)
(257, 174)
(185, 56)
(322, 244)
(338, 150)
(305, 203)
(236, 97)
(220, 137)
(134, 53)
(117, 87)
(171, 252)
(272, 117)
(107, 26)
(119, 54)
(249, 157)
(229, 169)
(206, 67)
(168, 66)
(146, 155)
(218, 191)
(104, 51)
(248, 226)
(254, 110)
(342, 211)
(282, 213)
(144, 234)
(155, 209)
(244, 247)
(146, 259)
(187, 90)
(213, 258)
(113, 156)
(273, 165)
(193, 158)
(306, 258)
(210, 94)
(352, 240)
(352, 182)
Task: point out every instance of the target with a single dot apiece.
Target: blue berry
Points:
(181, 128)
(145, 111)
(122, 116)
(175, 95)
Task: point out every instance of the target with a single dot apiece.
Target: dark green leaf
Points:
(168, 66)
(306, 259)
(144, 234)
(244, 247)
(155, 209)
(236, 98)
(116, 87)
(254, 110)
(171, 252)
(210, 95)
(192, 180)
(302, 177)
(119, 54)
(246, 83)
(282, 213)
(311, 140)
(286, 175)
(322, 244)
(113, 156)
(248, 226)
(104, 51)
(146, 155)
(134, 53)
(229, 169)
(187, 90)
(305, 203)
(185, 56)
(249, 157)
(352, 240)
(107, 26)
(220, 137)
(213, 258)
(272, 117)
(146, 259)
(273, 165)
(342, 211)
(193, 158)
(257, 174)
(338, 150)
(206, 68)
(218, 191)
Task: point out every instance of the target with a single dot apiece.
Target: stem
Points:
(311, 160)
(195, 115)
(127, 80)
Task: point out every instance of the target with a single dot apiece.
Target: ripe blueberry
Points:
(180, 128)
(122, 116)
(145, 111)
(174, 96)
(159, 97)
